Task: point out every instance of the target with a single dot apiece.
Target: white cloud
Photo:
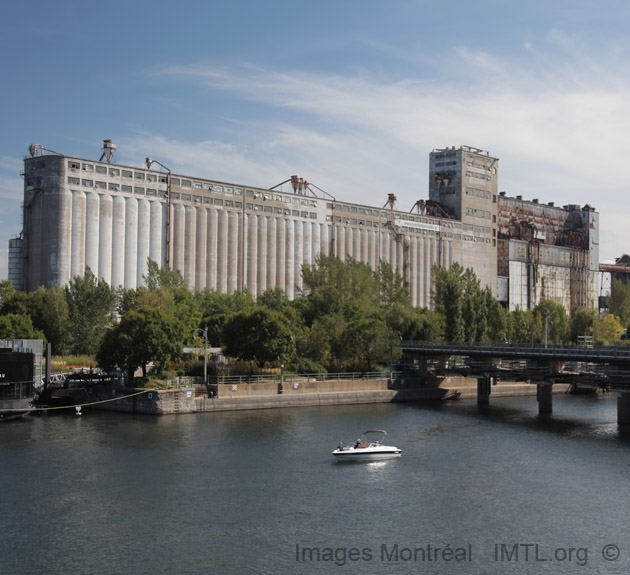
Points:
(561, 132)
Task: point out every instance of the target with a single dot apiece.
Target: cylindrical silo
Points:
(340, 248)
(271, 252)
(179, 238)
(281, 252)
(118, 242)
(371, 250)
(77, 249)
(144, 239)
(190, 238)
(131, 243)
(298, 253)
(92, 231)
(105, 238)
(347, 232)
(234, 252)
(57, 231)
(261, 260)
(157, 241)
(222, 251)
(200, 252)
(252, 253)
(316, 242)
(413, 267)
(33, 227)
(420, 273)
(289, 286)
(211, 249)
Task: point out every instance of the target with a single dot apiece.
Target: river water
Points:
(495, 489)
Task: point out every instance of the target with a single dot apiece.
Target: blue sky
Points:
(349, 94)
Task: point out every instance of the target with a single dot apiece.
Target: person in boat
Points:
(357, 444)
(340, 446)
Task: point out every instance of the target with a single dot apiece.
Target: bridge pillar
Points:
(544, 396)
(623, 407)
(483, 390)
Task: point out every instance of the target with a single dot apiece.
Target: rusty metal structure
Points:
(547, 253)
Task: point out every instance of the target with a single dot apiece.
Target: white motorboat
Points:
(367, 448)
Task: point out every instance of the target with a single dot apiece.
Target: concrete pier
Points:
(623, 407)
(544, 395)
(483, 390)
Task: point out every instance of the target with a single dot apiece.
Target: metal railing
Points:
(617, 354)
(289, 379)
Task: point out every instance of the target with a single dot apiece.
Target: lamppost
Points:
(149, 162)
(205, 354)
(281, 386)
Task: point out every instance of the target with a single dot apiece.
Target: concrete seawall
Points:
(246, 396)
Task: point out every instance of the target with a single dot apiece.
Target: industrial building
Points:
(228, 237)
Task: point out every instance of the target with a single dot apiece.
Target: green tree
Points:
(90, 309)
(143, 336)
(606, 331)
(391, 286)
(329, 284)
(175, 297)
(260, 335)
(619, 301)
(448, 292)
(7, 291)
(367, 337)
(582, 322)
(419, 324)
(216, 308)
(519, 325)
(50, 314)
(18, 326)
(551, 324)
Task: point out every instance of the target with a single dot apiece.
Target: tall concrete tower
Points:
(464, 181)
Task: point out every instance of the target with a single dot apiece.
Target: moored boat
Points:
(367, 448)
(17, 377)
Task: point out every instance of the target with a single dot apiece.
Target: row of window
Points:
(477, 175)
(442, 164)
(479, 193)
(478, 213)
